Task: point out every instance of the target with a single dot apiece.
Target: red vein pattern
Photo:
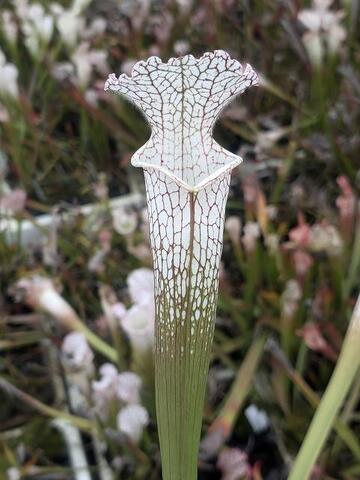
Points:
(187, 176)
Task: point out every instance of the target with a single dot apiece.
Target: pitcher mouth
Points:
(211, 178)
(212, 82)
(187, 60)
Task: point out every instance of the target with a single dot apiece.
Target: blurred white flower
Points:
(91, 96)
(108, 373)
(233, 463)
(85, 61)
(43, 23)
(223, 278)
(62, 71)
(301, 233)
(104, 389)
(56, 9)
(38, 27)
(184, 6)
(139, 324)
(13, 473)
(8, 78)
(290, 298)
(76, 352)
(181, 47)
(257, 418)
(97, 27)
(96, 262)
(324, 29)
(141, 285)
(317, 18)
(100, 187)
(265, 140)
(112, 308)
(50, 254)
(9, 26)
(302, 262)
(40, 293)
(70, 25)
(124, 221)
(313, 337)
(271, 211)
(326, 238)
(233, 229)
(272, 241)
(250, 236)
(21, 7)
(314, 47)
(132, 420)
(80, 5)
(4, 115)
(112, 386)
(12, 202)
(335, 37)
(118, 310)
(128, 386)
(145, 228)
(106, 385)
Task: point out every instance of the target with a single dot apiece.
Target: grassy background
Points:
(298, 134)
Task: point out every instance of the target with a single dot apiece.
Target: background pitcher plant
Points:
(187, 177)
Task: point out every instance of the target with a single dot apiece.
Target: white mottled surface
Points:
(187, 177)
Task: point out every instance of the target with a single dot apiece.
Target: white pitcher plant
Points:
(187, 176)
